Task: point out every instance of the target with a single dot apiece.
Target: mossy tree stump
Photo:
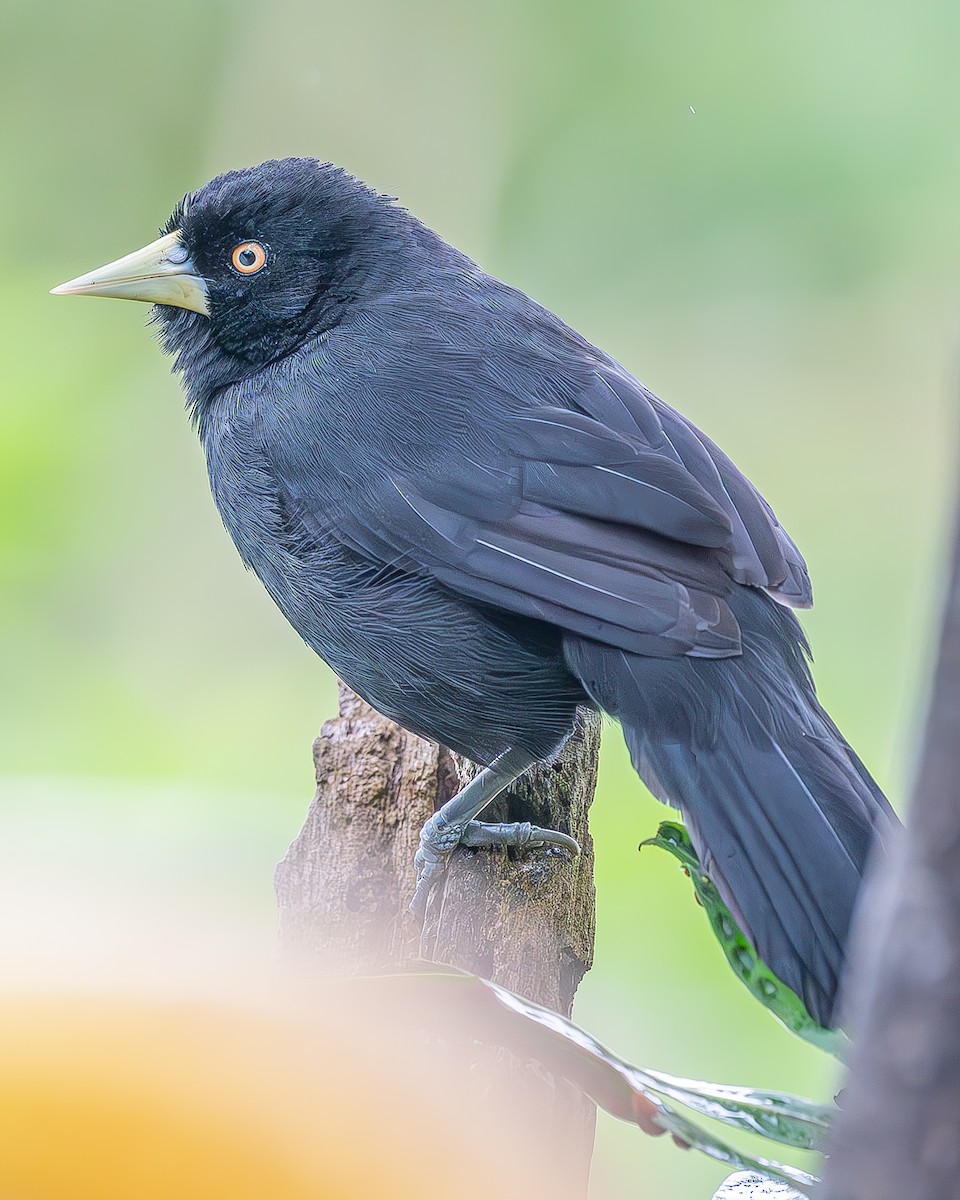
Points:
(523, 918)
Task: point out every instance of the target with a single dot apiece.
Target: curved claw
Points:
(556, 838)
(418, 905)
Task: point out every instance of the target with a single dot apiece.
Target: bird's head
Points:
(258, 261)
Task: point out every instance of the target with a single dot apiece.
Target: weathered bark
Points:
(898, 1137)
(522, 918)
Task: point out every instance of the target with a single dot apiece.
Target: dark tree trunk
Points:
(898, 1137)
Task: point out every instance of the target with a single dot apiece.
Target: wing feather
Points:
(560, 488)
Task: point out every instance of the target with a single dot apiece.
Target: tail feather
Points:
(783, 814)
(799, 931)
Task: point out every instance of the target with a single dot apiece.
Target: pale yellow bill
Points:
(160, 273)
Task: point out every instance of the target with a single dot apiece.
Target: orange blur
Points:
(114, 1099)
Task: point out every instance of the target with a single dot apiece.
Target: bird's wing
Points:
(612, 517)
(762, 553)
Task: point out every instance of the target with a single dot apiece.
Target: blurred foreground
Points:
(154, 1046)
(753, 208)
(108, 1098)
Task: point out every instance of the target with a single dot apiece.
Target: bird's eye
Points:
(248, 257)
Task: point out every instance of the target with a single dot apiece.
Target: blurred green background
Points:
(752, 206)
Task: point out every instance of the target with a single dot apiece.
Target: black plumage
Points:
(481, 521)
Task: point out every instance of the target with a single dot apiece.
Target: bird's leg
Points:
(454, 824)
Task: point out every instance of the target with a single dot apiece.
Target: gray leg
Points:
(453, 824)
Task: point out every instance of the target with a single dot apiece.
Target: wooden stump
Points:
(523, 918)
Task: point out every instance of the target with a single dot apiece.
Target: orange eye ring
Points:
(248, 257)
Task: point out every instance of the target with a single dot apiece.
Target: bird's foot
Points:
(439, 838)
(516, 833)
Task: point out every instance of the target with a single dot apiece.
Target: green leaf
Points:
(698, 1139)
(749, 968)
(777, 1116)
(487, 1012)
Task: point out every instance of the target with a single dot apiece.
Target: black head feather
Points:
(331, 244)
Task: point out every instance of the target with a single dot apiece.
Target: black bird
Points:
(480, 521)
